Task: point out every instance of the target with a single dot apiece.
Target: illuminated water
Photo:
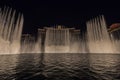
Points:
(60, 67)
(10, 31)
(99, 40)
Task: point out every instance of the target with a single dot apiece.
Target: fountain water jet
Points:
(99, 40)
(10, 31)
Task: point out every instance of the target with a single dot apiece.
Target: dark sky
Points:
(40, 13)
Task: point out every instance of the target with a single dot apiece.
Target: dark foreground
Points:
(60, 67)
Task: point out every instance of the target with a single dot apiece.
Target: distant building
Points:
(57, 39)
(114, 31)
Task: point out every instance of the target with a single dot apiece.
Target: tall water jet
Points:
(10, 30)
(98, 38)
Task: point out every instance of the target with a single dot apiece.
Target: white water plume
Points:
(10, 31)
(99, 40)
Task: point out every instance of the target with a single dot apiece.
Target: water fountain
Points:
(57, 39)
(99, 40)
(10, 30)
(61, 39)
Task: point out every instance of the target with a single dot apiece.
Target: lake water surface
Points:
(60, 67)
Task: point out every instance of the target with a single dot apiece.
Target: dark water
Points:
(60, 67)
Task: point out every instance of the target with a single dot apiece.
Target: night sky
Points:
(40, 13)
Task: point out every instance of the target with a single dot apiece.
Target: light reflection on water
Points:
(108, 66)
(60, 67)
